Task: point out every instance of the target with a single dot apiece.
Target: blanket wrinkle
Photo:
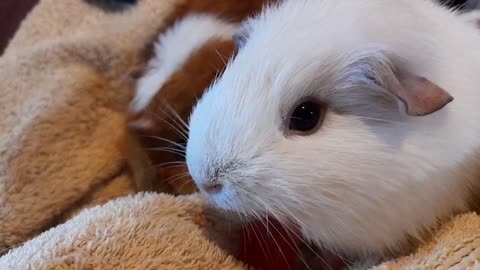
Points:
(60, 116)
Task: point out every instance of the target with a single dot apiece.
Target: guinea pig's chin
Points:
(246, 211)
(223, 202)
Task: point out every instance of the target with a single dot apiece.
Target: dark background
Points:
(12, 13)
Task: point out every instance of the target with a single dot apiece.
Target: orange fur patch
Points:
(187, 84)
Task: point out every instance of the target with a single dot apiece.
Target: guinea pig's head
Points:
(310, 124)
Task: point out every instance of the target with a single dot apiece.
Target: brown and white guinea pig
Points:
(191, 50)
(339, 117)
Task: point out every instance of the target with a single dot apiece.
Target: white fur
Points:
(173, 49)
(355, 186)
(472, 17)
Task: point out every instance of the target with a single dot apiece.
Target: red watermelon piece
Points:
(276, 248)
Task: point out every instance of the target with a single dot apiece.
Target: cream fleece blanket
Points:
(63, 90)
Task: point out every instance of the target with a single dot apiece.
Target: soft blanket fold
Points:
(64, 86)
(142, 232)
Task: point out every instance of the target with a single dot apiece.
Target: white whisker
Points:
(181, 122)
(177, 177)
(166, 140)
(168, 150)
(170, 163)
(178, 130)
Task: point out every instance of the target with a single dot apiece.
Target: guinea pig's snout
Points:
(212, 187)
(210, 179)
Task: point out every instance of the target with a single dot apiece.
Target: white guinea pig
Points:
(337, 116)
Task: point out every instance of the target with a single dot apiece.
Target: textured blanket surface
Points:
(64, 89)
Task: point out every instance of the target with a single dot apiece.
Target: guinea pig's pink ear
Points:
(418, 95)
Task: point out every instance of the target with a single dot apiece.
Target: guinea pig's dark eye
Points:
(306, 117)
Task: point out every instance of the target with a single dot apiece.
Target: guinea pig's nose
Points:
(212, 187)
